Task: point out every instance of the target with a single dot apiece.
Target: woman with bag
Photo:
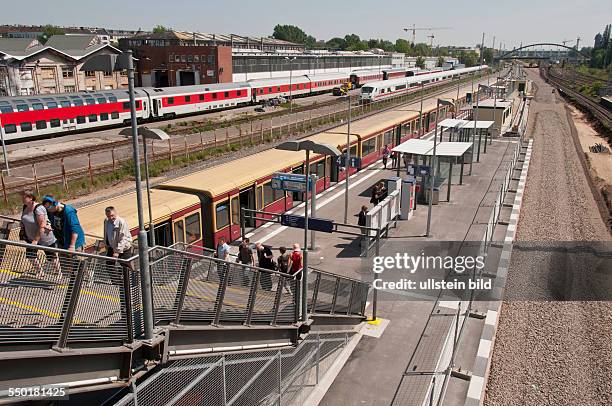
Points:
(36, 230)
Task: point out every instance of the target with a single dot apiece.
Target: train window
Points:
(201, 97)
(80, 119)
(93, 118)
(214, 95)
(22, 107)
(41, 124)
(238, 92)
(222, 214)
(26, 126)
(20, 101)
(101, 100)
(187, 98)
(10, 128)
(78, 102)
(114, 115)
(55, 122)
(47, 99)
(6, 109)
(268, 194)
(138, 102)
(258, 198)
(51, 105)
(126, 105)
(226, 94)
(90, 101)
(179, 231)
(388, 138)
(112, 99)
(235, 203)
(65, 104)
(193, 230)
(368, 146)
(270, 90)
(38, 106)
(103, 116)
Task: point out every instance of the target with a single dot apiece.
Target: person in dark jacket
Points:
(362, 221)
(65, 224)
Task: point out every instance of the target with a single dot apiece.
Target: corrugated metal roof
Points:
(71, 42)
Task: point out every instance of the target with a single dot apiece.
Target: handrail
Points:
(67, 252)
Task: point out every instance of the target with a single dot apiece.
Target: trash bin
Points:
(436, 195)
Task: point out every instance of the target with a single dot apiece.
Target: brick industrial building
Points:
(175, 58)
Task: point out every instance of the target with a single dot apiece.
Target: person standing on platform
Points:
(265, 261)
(385, 155)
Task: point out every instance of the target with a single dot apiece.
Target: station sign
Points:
(314, 224)
(291, 182)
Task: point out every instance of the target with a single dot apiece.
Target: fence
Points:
(328, 293)
(273, 377)
(195, 287)
(53, 297)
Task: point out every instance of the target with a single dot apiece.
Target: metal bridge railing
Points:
(192, 286)
(271, 377)
(328, 293)
(55, 297)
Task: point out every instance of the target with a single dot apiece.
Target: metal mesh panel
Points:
(325, 294)
(202, 288)
(344, 295)
(57, 297)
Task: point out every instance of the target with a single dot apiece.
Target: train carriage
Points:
(327, 81)
(42, 115)
(266, 89)
(361, 77)
(183, 100)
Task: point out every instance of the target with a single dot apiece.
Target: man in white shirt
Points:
(117, 235)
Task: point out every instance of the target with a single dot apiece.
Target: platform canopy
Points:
(443, 149)
(464, 124)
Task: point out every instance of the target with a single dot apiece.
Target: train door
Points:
(298, 196)
(163, 234)
(156, 106)
(247, 200)
(398, 135)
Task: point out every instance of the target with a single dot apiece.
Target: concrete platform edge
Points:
(477, 389)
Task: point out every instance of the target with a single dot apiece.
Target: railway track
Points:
(187, 130)
(564, 85)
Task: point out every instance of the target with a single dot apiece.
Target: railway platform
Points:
(411, 333)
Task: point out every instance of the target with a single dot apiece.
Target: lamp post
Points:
(432, 170)
(125, 61)
(148, 134)
(290, 85)
(322, 149)
(421, 130)
(487, 88)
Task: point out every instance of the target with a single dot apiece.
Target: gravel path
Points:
(549, 352)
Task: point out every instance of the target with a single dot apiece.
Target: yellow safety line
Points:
(35, 309)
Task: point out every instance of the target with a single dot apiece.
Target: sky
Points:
(510, 22)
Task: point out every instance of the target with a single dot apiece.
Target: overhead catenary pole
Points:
(432, 172)
(143, 249)
(4, 152)
(146, 166)
(305, 250)
(347, 162)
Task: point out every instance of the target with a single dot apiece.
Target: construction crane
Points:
(565, 41)
(414, 30)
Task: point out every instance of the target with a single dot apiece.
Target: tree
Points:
(294, 34)
(336, 43)
(403, 46)
(420, 62)
(48, 32)
(487, 55)
(159, 29)
(440, 61)
(468, 58)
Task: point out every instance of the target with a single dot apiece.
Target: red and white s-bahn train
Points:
(384, 89)
(24, 117)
